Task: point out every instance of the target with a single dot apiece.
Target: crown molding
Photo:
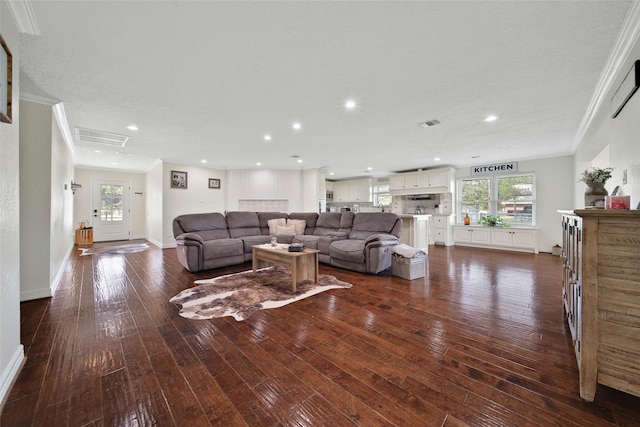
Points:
(23, 15)
(38, 99)
(63, 124)
(627, 39)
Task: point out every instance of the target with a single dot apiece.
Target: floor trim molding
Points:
(10, 375)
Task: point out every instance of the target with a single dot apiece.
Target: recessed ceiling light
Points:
(203, 161)
(369, 168)
(267, 137)
(96, 151)
(491, 118)
(299, 160)
(132, 127)
(350, 104)
(437, 159)
(331, 173)
(296, 126)
(258, 163)
(114, 163)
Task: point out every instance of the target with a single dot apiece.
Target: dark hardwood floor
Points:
(482, 339)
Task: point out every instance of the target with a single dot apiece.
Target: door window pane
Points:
(111, 205)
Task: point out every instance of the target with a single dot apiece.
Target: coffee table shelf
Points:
(303, 265)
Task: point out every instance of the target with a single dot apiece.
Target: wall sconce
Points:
(75, 186)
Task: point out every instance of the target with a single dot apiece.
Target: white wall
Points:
(620, 135)
(554, 190)
(11, 351)
(35, 199)
(46, 201)
(153, 204)
(265, 184)
(83, 204)
(61, 208)
(196, 198)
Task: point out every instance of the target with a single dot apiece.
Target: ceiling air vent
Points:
(429, 123)
(92, 136)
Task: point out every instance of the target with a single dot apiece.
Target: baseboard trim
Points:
(160, 245)
(10, 375)
(56, 280)
(37, 294)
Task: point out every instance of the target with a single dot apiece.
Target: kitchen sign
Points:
(492, 169)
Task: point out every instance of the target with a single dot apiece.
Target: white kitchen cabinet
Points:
(516, 239)
(471, 235)
(356, 191)
(404, 181)
(441, 233)
(440, 178)
(430, 181)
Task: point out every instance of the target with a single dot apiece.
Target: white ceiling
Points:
(207, 80)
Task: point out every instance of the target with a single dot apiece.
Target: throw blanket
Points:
(407, 251)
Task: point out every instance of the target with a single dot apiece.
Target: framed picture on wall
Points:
(178, 179)
(214, 183)
(6, 70)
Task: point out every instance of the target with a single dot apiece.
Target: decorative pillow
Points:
(285, 231)
(299, 224)
(272, 223)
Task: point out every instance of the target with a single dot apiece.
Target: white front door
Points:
(111, 210)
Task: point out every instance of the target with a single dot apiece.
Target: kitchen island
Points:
(415, 230)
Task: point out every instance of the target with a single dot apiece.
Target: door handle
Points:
(95, 213)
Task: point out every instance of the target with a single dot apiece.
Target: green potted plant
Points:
(492, 221)
(595, 179)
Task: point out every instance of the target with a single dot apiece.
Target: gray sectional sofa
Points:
(356, 241)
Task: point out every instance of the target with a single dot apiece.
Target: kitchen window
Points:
(511, 197)
(381, 195)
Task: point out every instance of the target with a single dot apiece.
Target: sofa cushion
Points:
(242, 224)
(250, 241)
(274, 223)
(214, 222)
(328, 222)
(265, 217)
(221, 248)
(299, 225)
(310, 218)
(348, 250)
(289, 230)
(346, 221)
(368, 223)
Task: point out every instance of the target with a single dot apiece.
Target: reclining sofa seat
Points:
(203, 242)
(370, 244)
(329, 227)
(245, 225)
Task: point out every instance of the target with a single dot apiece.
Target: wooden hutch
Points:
(601, 294)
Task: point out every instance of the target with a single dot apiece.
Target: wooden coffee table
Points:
(303, 265)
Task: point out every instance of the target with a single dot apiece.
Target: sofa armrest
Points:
(187, 237)
(383, 239)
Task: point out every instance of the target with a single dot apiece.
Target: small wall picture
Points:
(178, 179)
(214, 183)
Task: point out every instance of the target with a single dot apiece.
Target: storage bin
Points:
(84, 236)
(408, 268)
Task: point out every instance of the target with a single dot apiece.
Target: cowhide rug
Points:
(112, 250)
(241, 294)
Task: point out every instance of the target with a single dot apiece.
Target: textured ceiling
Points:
(206, 80)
